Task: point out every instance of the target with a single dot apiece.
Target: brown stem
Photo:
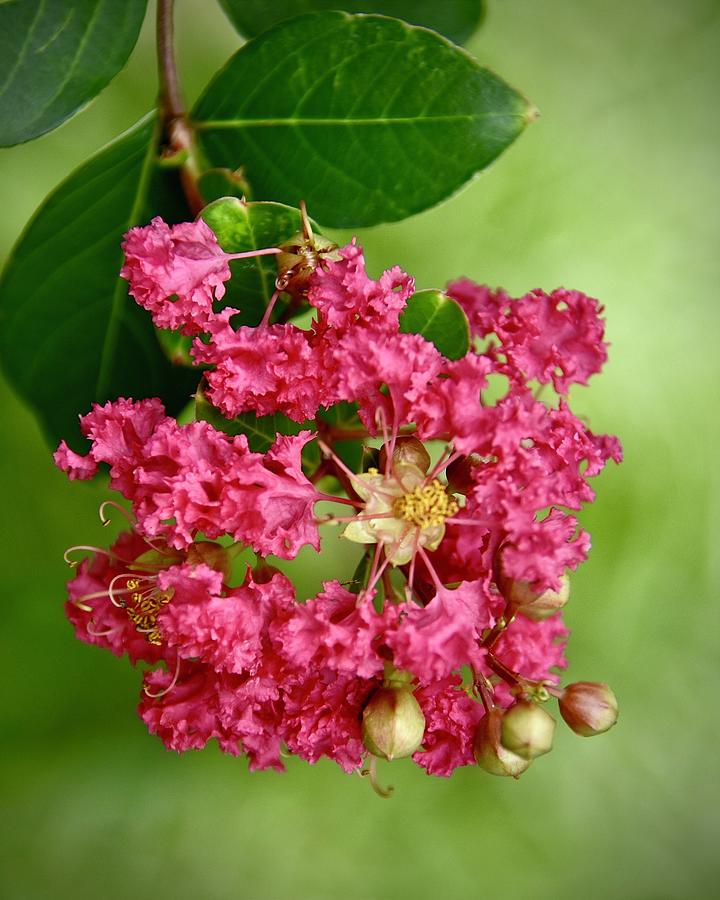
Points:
(176, 129)
(170, 98)
(494, 635)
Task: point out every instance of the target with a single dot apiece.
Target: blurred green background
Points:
(614, 190)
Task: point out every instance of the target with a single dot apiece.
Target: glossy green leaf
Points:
(260, 431)
(365, 118)
(56, 55)
(440, 319)
(69, 332)
(456, 19)
(214, 184)
(239, 227)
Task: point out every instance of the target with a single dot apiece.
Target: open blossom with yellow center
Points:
(404, 509)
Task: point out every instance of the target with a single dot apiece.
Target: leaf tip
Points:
(531, 114)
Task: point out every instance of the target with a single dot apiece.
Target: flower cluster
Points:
(449, 636)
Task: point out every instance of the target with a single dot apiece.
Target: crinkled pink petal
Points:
(76, 467)
(186, 717)
(346, 297)
(451, 406)
(434, 640)
(336, 631)
(263, 370)
(555, 337)
(483, 306)
(541, 552)
(451, 719)
(369, 359)
(175, 272)
(228, 632)
(322, 716)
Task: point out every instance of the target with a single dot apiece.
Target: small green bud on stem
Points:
(528, 730)
(534, 605)
(393, 723)
(490, 754)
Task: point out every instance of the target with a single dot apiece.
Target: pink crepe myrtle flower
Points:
(176, 271)
(460, 503)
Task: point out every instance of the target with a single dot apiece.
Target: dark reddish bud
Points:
(459, 473)
(408, 451)
(213, 555)
(528, 730)
(393, 723)
(490, 754)
(589, 707)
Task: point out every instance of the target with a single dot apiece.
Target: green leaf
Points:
(214, 184)
(456, 20)
(241, 226)
(365, 118)
(56, 55)
(440, 319)
(260, 431)
(69, 332)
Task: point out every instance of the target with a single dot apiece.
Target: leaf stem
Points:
(176, 129)
(170, 98)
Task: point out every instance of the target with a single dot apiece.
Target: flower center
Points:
(143, 608)
(427, 505)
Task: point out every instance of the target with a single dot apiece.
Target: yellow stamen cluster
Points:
(427, 505)
(143, 610)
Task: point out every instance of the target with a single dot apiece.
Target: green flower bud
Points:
(527, 729)
(534, 605)
(490, 754)
(393, 723)
(589, 707)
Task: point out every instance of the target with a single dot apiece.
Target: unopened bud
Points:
(459, 473)
(533, 604)
(589, 707)
(393, 723)
(407, 450)
(490, 754)
(528, 730)
(213, 555)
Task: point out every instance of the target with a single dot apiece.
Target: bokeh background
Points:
(614, 190)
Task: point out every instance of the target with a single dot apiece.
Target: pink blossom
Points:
(322, 716)
(483, 306)
(263, 370)
(346, 297)
(434, 640)
(248, 665)
(225, 629)
(175, 272)
(96, 617)
(336, 630)
(555, 337)
(185, 479)
(451, 718)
